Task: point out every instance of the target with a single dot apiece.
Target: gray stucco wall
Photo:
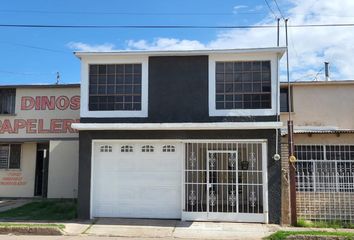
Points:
(86, 137)
(178, 92)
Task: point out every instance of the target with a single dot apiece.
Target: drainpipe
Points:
(327, 71)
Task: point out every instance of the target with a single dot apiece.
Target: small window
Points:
(106, 148)
(126, 148)
(147, 148)
(284, 100)
(7, 101)
(168, 148)
(10, 156)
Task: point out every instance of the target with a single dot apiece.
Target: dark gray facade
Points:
(178, 92)
(86, 138)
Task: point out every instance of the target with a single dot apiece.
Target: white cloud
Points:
(238, 7)
(80, 46)
(166, 44)
(308, 47)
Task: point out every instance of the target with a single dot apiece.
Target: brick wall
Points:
(285, 191)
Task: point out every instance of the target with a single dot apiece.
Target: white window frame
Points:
(213, 58)
(85, 62)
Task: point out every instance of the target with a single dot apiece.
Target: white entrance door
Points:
(136, 180)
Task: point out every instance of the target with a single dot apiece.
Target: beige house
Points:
(323, 116)
(38, 147)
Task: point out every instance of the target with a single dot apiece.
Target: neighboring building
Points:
(323, 117)
(180, 134)
(38, 147)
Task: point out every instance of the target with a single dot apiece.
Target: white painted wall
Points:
(63, 169)
(20, 182)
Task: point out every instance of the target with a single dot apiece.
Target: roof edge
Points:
(279, 50)
(69, 85)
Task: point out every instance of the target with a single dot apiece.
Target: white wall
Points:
(63, 169)
(20, 182)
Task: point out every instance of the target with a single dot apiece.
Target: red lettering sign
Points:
(37, 126)
(27, 103)
(50, 103)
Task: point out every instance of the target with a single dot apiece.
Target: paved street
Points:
(8, 237)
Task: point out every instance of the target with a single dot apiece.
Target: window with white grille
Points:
(126, 148)
(147, 148)
(10, 156)
(106, 148)
(325, 168)
(325, 182)
(168, 148)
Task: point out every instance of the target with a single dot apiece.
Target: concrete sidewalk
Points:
(8, 204)
(147, 228)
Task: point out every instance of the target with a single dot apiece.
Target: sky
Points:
(34, 56)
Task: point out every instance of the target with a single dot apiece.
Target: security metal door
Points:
(226, 181)
(222, 194)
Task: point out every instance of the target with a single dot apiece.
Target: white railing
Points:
(325, 182)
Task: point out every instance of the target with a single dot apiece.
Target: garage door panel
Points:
(150, 163)
(137, 184)
(146, 178)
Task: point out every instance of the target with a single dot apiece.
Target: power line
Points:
(270, 9)
(35, 47)
(130, 13)
(175, 26)
(251, 12)
(23, 73)
(281, 14)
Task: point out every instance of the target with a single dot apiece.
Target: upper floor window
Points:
(7, 101)
(284, 100)
(243, 85)
(115, 87)
(10, 156)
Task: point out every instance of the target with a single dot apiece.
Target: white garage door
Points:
(136, 180)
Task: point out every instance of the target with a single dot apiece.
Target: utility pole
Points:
(292, 158)
(58, 78)
(278, 23)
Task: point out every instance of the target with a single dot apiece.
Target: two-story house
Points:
(185, 135)
(38, 148)
(323, 115)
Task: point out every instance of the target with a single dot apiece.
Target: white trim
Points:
(183, 140)
(265, 182)
(280, 50)
(84, 108)
(224, 217)
(92, 177)
(213, 58)
(177, 126)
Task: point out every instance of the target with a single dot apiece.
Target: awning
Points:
(316, 130)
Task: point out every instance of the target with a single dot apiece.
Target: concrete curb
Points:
(32, 230)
